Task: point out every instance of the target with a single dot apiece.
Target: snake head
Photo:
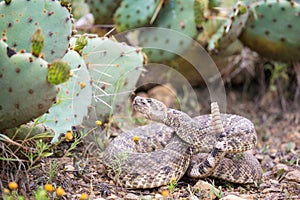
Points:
(151, 108)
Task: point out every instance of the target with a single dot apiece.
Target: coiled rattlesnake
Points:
(209, 145)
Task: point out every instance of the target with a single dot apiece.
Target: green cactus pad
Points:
(134, 13)
(273, 30)
(229, 32)
(115, 68)
(25, 91)
(79, 9)
(73, 99)
(103, 10)
(214, 3)
(21, 18)
(176, 15)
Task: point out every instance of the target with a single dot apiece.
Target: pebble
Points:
(274, 182)
(131, 196)
(206, 188)
(263, 186)
(279, 167)
(113, 197)
(158, 196)
(232, 197)
(146, 197)
(193, 197)
(267, 162)
(293, 176)
(69, 168)
(273, 153)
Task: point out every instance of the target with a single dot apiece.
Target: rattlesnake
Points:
(208, 145)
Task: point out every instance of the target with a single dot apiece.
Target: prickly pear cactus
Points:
(73, 99)
(214, 3)
(79, 8)
(229, 32)
(134, 13)
(273, 29)
(115, 68)
(25, 91)
(21, 18)
(175, 15)
(103, 10)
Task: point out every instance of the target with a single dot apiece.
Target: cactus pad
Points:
(273, 29)
(103, 10)
(25, 91)
(21, 18)
(73, 99)
(175, 15)
(115, 68)
(134, 13)
(231, 29)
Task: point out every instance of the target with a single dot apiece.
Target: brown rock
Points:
(232, 197)
(131, 196)
(293, 176)
(208, 190)
(280, 167)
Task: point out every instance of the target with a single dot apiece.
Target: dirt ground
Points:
(278, 151)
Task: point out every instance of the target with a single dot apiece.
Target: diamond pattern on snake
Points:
(211, 145)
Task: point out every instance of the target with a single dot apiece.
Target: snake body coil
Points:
(209, 145)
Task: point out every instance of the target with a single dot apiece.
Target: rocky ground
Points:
(278, 151)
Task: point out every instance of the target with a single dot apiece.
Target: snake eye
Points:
(149, 100)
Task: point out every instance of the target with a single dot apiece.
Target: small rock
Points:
(232, 197)
(287, 147)
(131, 196)
(274, 182)
(113, 197)
(280, 167)
(293, 176)
(267, 162)
(273, 153)
(146, 197)
(263, 186)
(193, 197)
(158, 196)
(247, 196)
(259, 156)
(206, 189)
(69, 168)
